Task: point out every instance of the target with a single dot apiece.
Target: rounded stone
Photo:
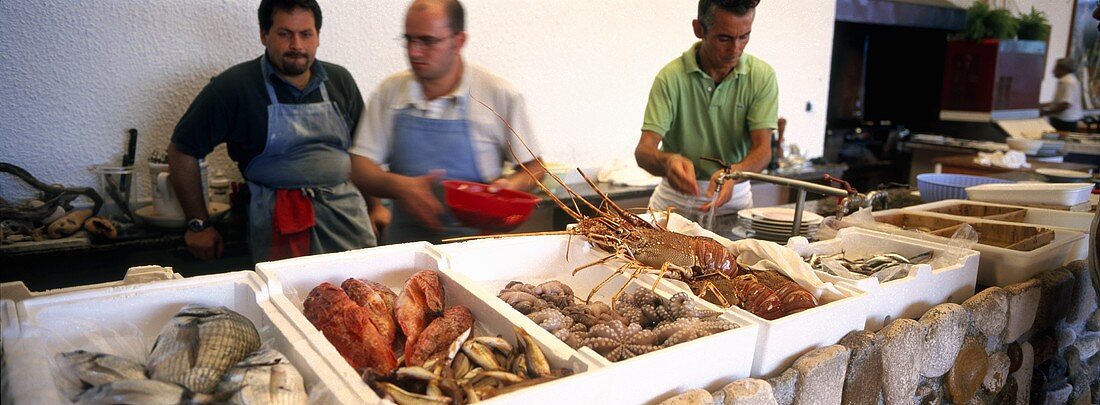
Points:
(821, 374)
(1015, 357)
(902, 357)
(783, 386)
(692, 397)
(1093, 324)
(746, 391)
(863, 380)
(988, 312)
(968, 373)
(946, 325)
(997, 374)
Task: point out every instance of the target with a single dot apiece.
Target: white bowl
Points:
(1028, 146)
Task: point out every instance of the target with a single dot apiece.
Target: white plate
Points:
(1060, 194)
(215, 210)
(762, 225)
(778, 215)
(1068, 174)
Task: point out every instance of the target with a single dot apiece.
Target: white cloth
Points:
(665, 196)
(1069, 91)
(765, 256)
(627, 174)
(1012, 159)
(490, 136)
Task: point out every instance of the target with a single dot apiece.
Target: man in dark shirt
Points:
(286, 120)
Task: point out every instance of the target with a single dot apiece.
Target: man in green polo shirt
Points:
(713, 101)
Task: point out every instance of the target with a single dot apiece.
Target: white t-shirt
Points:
(490, 136)
(1069, 90)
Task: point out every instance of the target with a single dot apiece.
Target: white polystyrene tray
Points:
(709, 362)
(999, 266)
(9, 332)
(1047, 218)
(1062, 194)
(290, 281)
(112, 320)
(782, 341)
(17, 291)
(950, 280)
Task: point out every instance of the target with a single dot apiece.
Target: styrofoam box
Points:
(1074, 221)
(1062, 194)
(17, 291)
(290, 281)
(709, 362)
(781, 341)
(125, 321)
(999, 266)
(951, 280)
(9, 332)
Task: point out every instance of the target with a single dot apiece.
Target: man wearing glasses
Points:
(427, 124)
(286, 119)
(714, 101)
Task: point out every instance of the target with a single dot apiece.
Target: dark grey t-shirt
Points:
(232, 108)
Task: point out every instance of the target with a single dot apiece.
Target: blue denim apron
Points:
(307, 149)
(420, 146)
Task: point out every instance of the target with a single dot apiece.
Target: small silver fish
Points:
(92, 369)
(264, 377)
(197, 345)
(145, 392)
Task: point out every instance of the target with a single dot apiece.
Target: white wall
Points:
(78, 74)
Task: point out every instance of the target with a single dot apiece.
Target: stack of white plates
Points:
(775, 223)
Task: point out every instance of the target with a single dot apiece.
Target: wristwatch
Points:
(196, 225)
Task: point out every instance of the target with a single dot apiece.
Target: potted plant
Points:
(994, 68)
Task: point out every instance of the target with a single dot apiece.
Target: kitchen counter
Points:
(964, 164)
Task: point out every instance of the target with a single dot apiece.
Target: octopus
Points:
(551, 319)
(687, 329)
(556, 293)
(680, 305)
(643, 307)
(616, 341)
(591, 314)
(523, 301)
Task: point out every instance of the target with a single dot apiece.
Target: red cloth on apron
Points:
(290, 224)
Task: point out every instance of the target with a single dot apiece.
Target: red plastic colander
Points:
(476, 207)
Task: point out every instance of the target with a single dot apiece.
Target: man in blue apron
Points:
(427, 124)
(713, 101)
(285, 118)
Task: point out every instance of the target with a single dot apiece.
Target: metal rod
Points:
(813, 187)
(798, 211)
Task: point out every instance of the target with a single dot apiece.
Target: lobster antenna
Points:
(576, 215)
(505, 235)
(619, 210)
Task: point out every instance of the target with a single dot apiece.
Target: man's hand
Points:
(380, 218)
(419, 201)
(205, 244)
(723, 197)
(680, 172)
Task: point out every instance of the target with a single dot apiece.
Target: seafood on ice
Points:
(202, 355)
(197, 345)
(639, 323)
(484, 367)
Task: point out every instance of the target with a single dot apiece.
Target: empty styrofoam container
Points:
(18, 291)
(125, 321)
(949, 276)
(997, 266)
(708, 362)
(291, 280)
(781, 341)
(1054, 194)
(1047, 218)
(9, 332)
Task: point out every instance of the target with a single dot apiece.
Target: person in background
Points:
(286, 120)
(428, 124)
(713, 101)
(1065, 110)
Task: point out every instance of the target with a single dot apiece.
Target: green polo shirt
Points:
(699, 119)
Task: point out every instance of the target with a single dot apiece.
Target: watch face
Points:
(196, 225)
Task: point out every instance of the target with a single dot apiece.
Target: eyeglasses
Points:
(410, 41)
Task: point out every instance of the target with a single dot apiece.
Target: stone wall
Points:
(1032, 342)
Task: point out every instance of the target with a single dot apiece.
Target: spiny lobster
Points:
(643, 247)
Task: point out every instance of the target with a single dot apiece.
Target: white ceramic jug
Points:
(165, 204)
